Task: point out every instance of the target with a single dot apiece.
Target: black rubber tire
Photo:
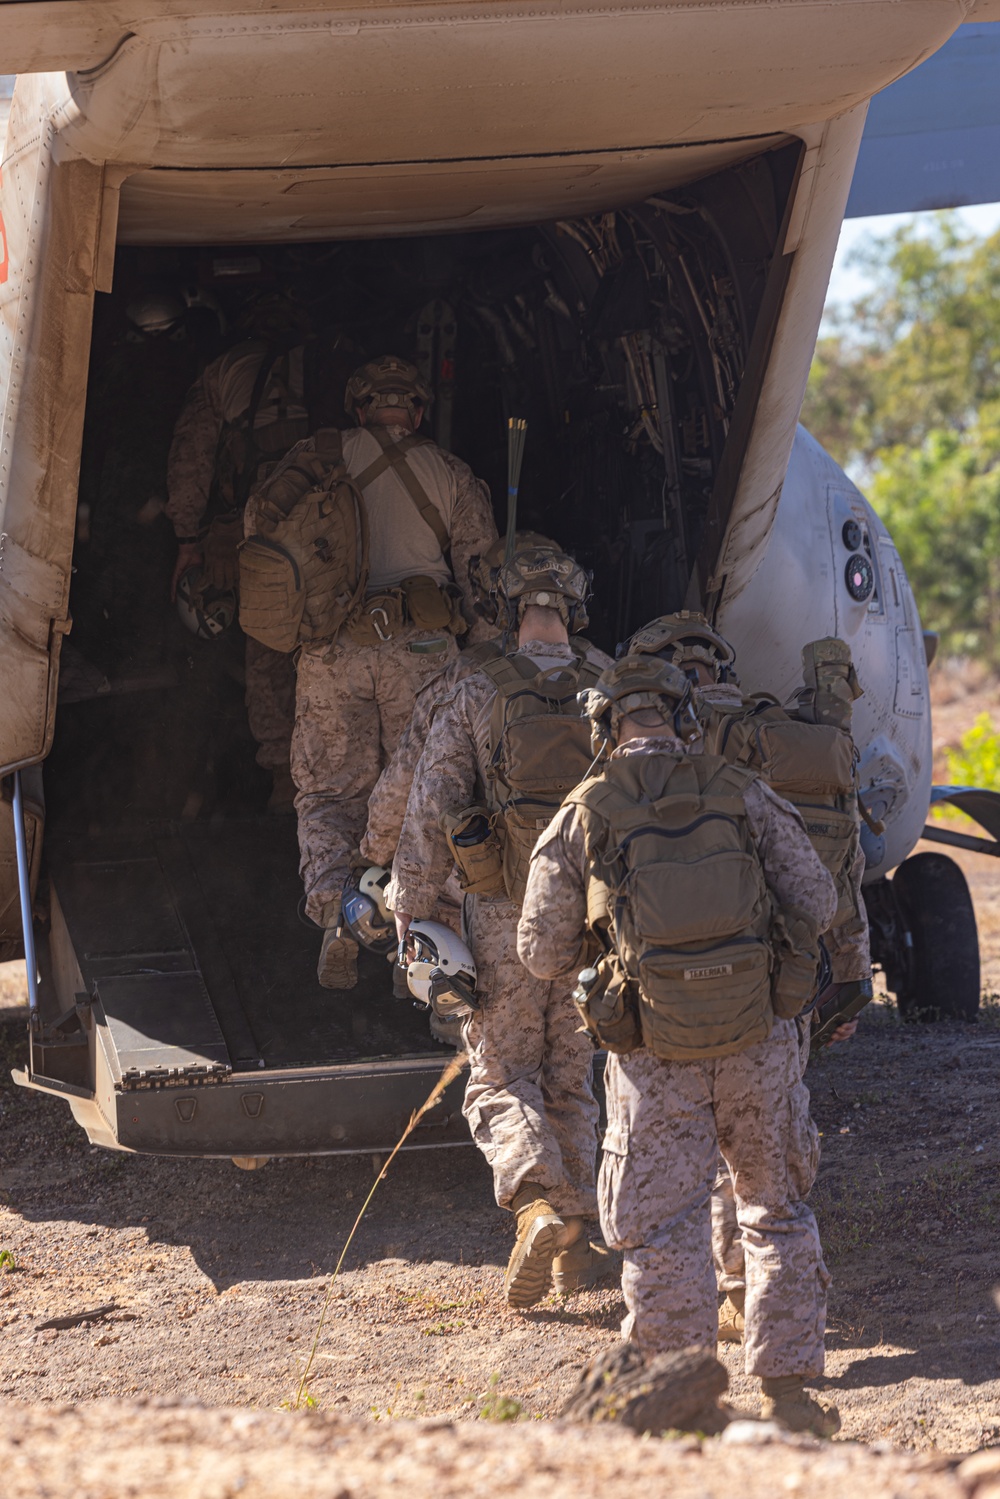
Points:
(934, 901)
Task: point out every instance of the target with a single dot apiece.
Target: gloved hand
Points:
(222, 563)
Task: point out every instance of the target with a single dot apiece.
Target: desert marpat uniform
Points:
(848, 945)
(219, 400)
(667, 1122)
(353, 700)
(387, 803)
(529, 1100)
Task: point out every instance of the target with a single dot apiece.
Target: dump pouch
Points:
(796, 961)
(427, 603)
(475, 849)
(608, 1008)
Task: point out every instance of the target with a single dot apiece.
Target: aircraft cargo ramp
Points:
(200, 1027)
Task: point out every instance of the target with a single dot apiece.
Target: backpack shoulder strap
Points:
(393, 455)
(508, 672)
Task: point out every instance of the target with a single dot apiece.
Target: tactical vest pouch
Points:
(304, 567)
(796, 961)
(610, 1011)
(475, 849)
(427, 603)
(834, 836)
(520, 833)
(803, 759)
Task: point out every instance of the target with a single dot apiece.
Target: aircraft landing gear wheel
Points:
(940, 980)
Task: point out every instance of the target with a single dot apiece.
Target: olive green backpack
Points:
(539, 749)
(678, 901)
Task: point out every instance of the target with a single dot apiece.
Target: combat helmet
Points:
(484, 570)
(542, 574)
(684, 637)
(386, 381)
(156, 310)
(631, 684)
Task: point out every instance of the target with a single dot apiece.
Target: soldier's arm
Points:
(473, 529)
(191, 461)
(792, 868)
(552, 928)
(444, 781)
(387, 803)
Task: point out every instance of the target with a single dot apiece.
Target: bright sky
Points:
(848, 282)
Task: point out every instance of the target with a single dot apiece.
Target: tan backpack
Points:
(539, 749)
(810, 765)
(304, 570)
(678, 901)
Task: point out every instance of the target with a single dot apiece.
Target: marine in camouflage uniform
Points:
(690, 643)
(355, 696)
(387, 803)
(529, 1099)
(215, 452)
(668, 1120)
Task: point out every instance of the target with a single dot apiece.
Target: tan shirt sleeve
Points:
(792, 868)
(551, 931)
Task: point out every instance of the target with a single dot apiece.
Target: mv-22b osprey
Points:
(615, 219)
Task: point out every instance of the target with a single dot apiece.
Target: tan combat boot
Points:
(540, 1235)
(731, 1325)
(338, 958)
(581, 1263)
(787, 1400)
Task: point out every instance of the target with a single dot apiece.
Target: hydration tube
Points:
(24, 888)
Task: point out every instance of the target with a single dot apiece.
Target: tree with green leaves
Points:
(905, 393)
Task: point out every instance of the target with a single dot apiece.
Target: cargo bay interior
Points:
(628, 340)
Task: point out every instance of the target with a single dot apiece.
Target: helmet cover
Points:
(386, 381)
(204, 610)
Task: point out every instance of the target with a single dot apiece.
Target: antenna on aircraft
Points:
(517, 428)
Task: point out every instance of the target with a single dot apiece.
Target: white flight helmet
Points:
(441, 974)
(204, 610)
(363, 904)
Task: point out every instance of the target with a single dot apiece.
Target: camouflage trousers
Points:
(727, 1240)
(667, 1123)
(352, 702)
(529, 1100)
(270, 700)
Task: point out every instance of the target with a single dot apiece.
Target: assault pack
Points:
(696, 958)
(811, 765)
(304, 570)
(539, 749)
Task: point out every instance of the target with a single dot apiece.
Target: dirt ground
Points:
(217, 1279)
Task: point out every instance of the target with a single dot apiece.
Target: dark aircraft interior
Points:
(629, 341)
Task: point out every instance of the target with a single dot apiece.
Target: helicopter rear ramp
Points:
(190, 1021)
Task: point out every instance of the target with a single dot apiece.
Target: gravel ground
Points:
(110, 1451)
